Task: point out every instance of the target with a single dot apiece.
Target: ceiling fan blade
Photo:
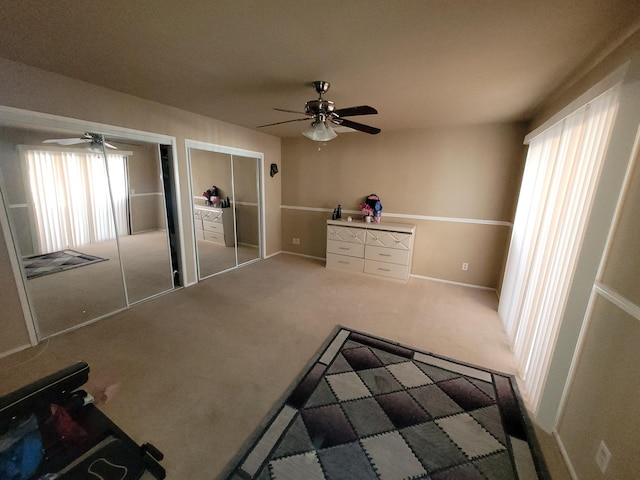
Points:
(288, 111)
(286, 121)
(108, 145)
(67, 141)
(356, 126)
(353, 111)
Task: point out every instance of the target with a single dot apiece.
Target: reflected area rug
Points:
(54, 262)
(368, 408)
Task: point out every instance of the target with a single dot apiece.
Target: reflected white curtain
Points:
(560, 178)
(70, 191)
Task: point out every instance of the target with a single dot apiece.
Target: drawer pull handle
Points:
(342, 261)
(384, 269)
(384, 254)
(343, 248)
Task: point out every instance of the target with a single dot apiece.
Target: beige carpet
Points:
(65, 299)
(196, 370)
(214, 258)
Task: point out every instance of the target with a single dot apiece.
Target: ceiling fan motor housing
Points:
(315, 107)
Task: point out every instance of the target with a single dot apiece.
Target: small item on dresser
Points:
(334, 215)
(339, 214)
(349, 219)
(211, 196)
(371, 208)
(374, 202)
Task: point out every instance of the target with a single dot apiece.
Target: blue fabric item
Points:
(21, 458)
(374, 202)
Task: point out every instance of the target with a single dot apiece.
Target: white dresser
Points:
(214, 224)
(383, 249)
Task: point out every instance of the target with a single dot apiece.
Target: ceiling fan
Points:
(93, 138)
(324, 113)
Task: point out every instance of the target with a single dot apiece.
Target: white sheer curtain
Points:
(71, 199)
(560, 177)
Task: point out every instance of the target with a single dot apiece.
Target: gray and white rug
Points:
(368, 408)
(54, 262)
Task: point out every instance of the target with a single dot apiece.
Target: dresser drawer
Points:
(345, 248)
(214, 237)
(347, 263)
(346, 234)
(391, 270)
(211, 216)
(390, 239)
(387, 255)
(212, 226)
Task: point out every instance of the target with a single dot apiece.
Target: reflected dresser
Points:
(214, 224)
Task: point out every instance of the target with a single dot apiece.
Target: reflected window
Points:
(71, 197)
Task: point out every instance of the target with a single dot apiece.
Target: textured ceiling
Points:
(420, 63)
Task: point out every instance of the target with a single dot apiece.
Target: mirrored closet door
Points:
(88, 222)
(227, 206)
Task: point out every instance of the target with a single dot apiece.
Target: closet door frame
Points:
(29, 119)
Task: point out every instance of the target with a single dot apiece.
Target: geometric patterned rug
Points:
(368, 408)
(39, 265)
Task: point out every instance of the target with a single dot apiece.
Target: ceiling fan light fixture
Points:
(320, 131)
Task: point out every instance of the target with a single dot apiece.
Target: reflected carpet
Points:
(368, 408)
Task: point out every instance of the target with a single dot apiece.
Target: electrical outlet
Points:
(465, 266)
(296, 241)
(603, 456)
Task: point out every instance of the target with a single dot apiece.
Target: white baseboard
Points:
(441, 280)
(15, 350)
(480, 287)
(565, 455)
(302, 255)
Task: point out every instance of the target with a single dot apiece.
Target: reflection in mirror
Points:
(246, 185)
(226, 206)
(138, 198)
(214, 225)
(62, 224)
(78, 226)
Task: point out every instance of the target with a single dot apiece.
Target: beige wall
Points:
(607, 376)
(210, 169)
(594, 69)
(468, 173)
(28, 88)
(145, 188)
(622, 268)
(602, 396)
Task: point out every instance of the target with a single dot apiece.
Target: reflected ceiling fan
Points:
(94, 139)
(324, 114)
